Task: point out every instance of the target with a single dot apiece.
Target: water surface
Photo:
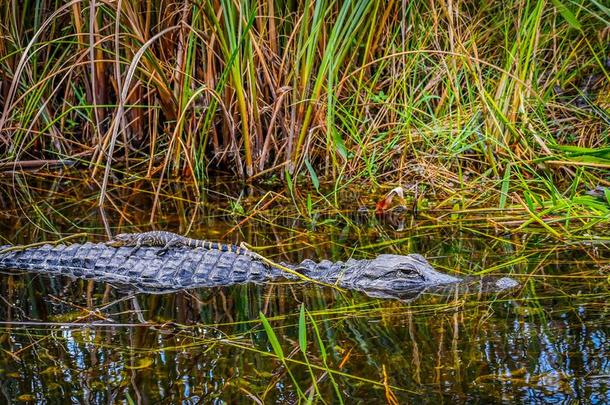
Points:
(66, 338)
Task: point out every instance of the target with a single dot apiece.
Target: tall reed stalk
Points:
(326, 88)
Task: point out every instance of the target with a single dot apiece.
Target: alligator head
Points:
(122, 239)
(394, 275)
(405, 277)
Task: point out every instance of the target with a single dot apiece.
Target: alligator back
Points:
(144, 268)
(159, 269)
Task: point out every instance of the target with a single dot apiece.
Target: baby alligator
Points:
(167, 240)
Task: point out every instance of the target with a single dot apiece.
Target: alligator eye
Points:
(408, 272)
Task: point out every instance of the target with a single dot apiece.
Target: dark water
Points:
(71, 340)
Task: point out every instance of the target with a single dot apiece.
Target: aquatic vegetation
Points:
(291, 125)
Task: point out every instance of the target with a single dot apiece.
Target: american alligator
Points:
(179, 268)
(169, 239)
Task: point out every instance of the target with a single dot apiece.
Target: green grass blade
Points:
(275, 344)
(302, 330)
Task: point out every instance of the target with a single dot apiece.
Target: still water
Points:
(65, 339)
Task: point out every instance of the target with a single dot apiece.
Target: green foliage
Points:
(361, 89)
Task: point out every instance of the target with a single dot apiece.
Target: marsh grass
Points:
(64, 203)
(514, 95)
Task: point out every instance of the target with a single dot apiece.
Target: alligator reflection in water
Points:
(437, 350)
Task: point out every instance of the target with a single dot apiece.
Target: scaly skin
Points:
(168, 239)
(179, 268)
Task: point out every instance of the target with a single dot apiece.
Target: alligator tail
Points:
(223, 247)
